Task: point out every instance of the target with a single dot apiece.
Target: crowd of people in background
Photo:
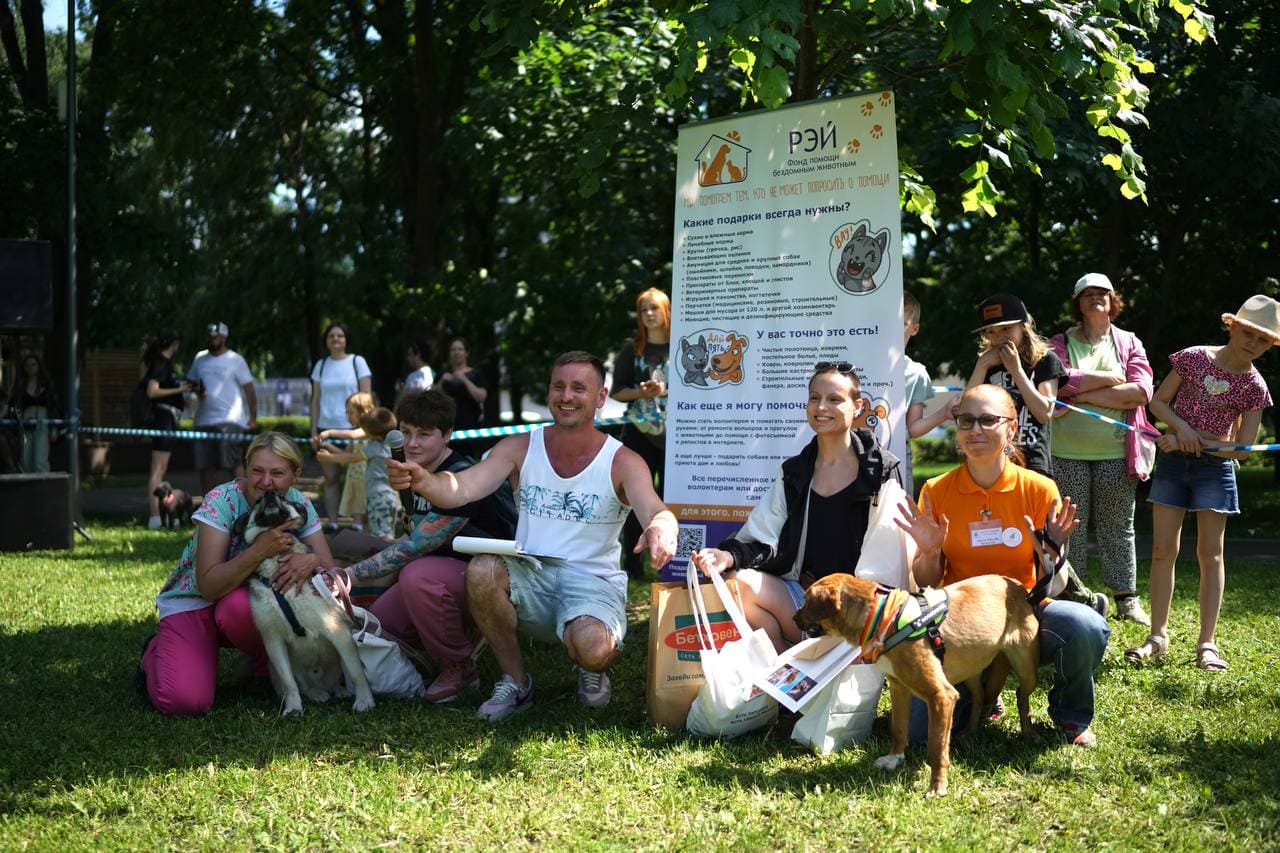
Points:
(1053, 437)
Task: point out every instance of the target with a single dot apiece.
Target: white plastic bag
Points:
(843, 712)
(386, 665)
(728, 704)
(887, 549)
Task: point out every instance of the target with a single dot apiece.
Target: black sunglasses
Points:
(966, 421)
(838, 366)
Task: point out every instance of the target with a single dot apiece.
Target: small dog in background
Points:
(307, 635)
(175, 505)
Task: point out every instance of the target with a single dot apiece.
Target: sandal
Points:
(1208, 657)
(1152, 647)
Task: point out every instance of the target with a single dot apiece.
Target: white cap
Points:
(1093, 279)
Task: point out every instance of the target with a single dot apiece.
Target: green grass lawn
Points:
(1187, 760)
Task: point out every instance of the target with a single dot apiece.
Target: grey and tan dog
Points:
(987, 620)
(307, 634)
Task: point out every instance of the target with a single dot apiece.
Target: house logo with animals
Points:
(859, 260)
(711, 358)
(722, 160)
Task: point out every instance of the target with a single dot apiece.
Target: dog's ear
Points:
(820, 602)
(853, 603)
(158, 493)
(240, 525)
(300, 507)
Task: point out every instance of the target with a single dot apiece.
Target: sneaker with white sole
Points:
(1129, 607)
(454, 678)
(594, 689)
(507, 699)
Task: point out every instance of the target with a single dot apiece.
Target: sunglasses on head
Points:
(838, 366)
(966, 421)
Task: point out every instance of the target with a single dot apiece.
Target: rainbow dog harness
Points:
(898, 615)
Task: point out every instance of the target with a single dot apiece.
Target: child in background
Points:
(1214, 396)
(919, 386)
(353, 501)
(382, 504)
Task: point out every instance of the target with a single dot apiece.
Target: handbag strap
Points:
(731, 606)
(701, 621)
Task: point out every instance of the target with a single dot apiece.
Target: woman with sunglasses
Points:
(979, 519)
(811, 521)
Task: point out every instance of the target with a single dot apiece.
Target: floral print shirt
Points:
(1211, 398)
(219, 510)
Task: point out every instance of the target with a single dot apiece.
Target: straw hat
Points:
(1260, 313)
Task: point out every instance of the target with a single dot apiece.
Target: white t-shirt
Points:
(223, 377)
(420, 379)
(339, 379)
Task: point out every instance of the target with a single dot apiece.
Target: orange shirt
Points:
(994, 542)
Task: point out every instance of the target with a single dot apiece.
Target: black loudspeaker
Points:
(36, 509)
(26, 286)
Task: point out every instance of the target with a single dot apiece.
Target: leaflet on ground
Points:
(804, 669)
(501, 547)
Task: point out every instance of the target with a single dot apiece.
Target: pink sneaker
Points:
(507, 699)
(455, 677)
(1078, 735)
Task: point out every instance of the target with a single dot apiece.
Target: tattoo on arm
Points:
(432, 532)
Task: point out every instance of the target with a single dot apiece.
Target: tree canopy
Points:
(505, 170)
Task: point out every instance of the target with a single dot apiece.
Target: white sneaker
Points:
(508, 698)
(594, 689)
(153, 523)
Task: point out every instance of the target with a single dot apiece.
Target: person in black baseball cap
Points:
(1012, 355)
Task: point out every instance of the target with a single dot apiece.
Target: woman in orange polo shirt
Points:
(973, 521)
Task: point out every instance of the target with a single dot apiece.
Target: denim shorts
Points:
(550, 596)
(796, 590)
(1195, 483)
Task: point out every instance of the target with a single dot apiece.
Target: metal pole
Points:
(73, 370)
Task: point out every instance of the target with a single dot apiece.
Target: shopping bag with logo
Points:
(729, 704)
(674, 659)
(843, 711)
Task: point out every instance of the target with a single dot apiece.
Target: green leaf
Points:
(773, 86)
(976, 171)
(1195, 29)
(1113, 162)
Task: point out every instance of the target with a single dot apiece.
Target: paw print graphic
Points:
(866, 108)
(877, 131)
(885, 98)
(853, 146)
(733, 134)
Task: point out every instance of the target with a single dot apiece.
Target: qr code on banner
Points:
(693, 537)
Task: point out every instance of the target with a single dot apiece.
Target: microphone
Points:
(395, 444)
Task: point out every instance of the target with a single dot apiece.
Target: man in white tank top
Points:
(577, 486)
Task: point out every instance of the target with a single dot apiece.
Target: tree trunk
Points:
(806, 79)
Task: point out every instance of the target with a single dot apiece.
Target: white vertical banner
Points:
(788, 252)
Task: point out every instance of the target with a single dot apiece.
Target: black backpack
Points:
(141, 411)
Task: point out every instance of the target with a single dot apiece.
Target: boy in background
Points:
(919, 386)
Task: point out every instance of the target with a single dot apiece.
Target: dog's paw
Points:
(315, 694)
(363, 703)
(292, 708)
(936, 791)
(890, 762)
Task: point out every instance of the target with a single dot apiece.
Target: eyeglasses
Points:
(966, 421)
(838, 366)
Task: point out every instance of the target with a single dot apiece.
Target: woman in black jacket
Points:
(811, 521)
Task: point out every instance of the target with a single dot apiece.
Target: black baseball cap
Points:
(1003, 309)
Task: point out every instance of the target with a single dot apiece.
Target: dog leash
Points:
(284, 605)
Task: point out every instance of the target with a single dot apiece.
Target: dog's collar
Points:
(882, 618)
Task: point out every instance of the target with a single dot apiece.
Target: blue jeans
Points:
(1073, 638)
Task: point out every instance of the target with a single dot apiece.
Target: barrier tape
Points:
(203, 435)
(1151, 436)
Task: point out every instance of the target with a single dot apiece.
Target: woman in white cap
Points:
(1096, 463)
(1213, 397)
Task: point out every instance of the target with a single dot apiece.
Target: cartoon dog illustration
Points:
(712, 172)
(727, 366)
(693, 360)
(871, 415)
(860, 260)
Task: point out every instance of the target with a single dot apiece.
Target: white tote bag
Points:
(843, 712)
(728, 704)
(386, 665)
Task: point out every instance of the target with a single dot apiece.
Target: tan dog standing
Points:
(986, 616)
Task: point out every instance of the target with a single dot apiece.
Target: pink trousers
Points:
(427, 608)
(181, 662)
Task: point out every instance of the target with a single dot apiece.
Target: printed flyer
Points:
(788, 252)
